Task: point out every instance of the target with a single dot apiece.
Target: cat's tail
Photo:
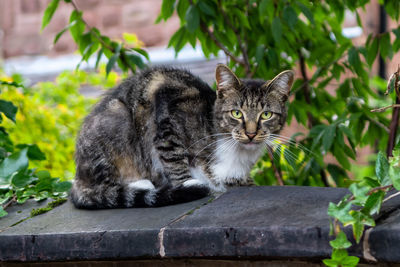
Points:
(141, 193)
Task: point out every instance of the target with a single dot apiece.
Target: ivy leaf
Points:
(340, 212)
(49, 12)
(394, 173)
(2, 212)
(21, 179)
(64, 186)
(192, 19)
(34, 152)
(382, 169)
(373, 203)
(359, 193)
(340, 241)
(276, 28)
(18, 161)
(8, 109)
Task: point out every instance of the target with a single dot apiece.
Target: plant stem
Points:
(205, 29)
(394, 124)
(277, 172)
(12, 200)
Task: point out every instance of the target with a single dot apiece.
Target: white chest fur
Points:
(234, 163)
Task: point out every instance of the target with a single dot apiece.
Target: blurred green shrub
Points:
(50, 114)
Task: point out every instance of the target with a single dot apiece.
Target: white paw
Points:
(193, 182)
(142, 184)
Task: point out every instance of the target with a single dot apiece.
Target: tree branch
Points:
(14, 198)
(242, 44)
(104, 44)
(394, 124)
(205, 29)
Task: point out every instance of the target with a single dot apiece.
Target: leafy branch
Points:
(92, 41)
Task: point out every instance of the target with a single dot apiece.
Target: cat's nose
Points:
(250, 135)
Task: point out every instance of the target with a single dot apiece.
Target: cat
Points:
(164, 137)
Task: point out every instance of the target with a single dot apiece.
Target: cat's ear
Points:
(281, 84)
(225, 78)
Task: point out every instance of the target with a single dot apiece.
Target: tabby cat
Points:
(164, 137)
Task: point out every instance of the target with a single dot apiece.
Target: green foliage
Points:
(18, 182)
(357, 211)
(50, 115)
(90, 41)
(263, 37)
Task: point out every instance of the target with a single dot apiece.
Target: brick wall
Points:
(20, 22)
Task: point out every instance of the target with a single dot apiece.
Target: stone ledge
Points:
(244, 223)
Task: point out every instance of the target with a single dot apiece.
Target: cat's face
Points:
(251, 110)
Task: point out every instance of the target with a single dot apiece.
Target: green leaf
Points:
(2, 212)
(63, 31)
(113, 59)
(266, 10)
(43, 174)
(350, 261)
(18, 161)
(385, 47)
(306, 11)
(328, 137)
(382, 169)
(181, 8)
(340, 241)
(276, 28)
(207, 9)
(135, 60)
(167, 9)
(340, 212)
(359, 192)
(49, 12)
(78, 27)
(372, 51)
(21, 179)
(99, 54)
(64, 186)
(34, 152)
(330, 263)
(8, 109)
(394, 173)
(373, 203)
(290, 17)
(192, 18)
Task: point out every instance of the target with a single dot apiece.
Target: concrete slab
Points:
(67, 233)
(257, 221)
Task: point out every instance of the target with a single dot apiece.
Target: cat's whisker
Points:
(293, 142)
(226, 146)
(209, 136)
(210, 144)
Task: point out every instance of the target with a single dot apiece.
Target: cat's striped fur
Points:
(164, 137)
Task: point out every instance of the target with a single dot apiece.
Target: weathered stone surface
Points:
(19, 212)
(257, 221)
(66, 233)
(263, 223)
(384, 239)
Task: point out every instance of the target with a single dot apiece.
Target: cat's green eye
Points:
(266, 115)
(237, 114)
